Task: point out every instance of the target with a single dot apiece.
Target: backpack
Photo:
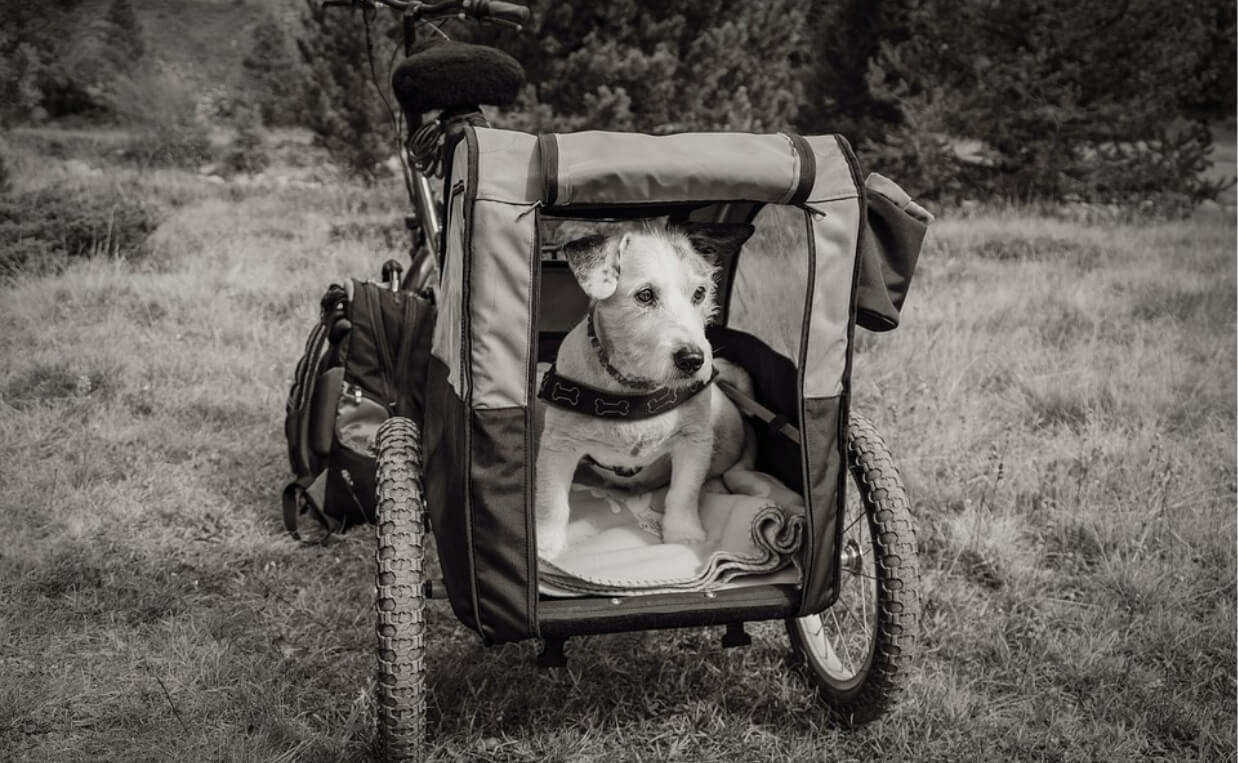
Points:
(364, 361)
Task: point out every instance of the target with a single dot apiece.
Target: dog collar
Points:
(572, 395)
(635, 382)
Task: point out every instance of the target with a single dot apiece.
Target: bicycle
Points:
(859, 555)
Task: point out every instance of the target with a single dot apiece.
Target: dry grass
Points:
(1061, 399)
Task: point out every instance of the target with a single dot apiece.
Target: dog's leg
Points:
(556, 463)
(689, 467)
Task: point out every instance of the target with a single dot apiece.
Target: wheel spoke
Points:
(864, 597)
(846, 613)
(858, 517)
(842, 641)
(820, 628)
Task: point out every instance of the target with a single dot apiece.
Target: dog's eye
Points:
(646, 296)
(699, 295)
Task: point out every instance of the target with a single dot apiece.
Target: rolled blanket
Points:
(615, 548)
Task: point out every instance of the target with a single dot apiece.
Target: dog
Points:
(642, 348)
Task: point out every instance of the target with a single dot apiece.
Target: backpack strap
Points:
(298, 498)
(305, 401)
(296, 422)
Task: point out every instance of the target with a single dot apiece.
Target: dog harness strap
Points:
(572, 395)
(808, 169)
(548, 149)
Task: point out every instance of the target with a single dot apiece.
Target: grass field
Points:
(1061, 398)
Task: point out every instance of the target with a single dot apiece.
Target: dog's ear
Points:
(718, 243)
(594, 261)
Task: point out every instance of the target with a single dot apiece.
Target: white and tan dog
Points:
(651, 294)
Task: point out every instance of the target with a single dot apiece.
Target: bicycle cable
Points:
(425, 145)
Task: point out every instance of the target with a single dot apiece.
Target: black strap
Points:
(775, 421)
(297, 500)
(307, 367)
(808, 169)
(548, 149)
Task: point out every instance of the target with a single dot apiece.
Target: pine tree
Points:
(271, 75)
(665, 66)
(123, 35)
(350, 110)
(1066, 100)
(844, 39)
(32, 52)
(622, 65)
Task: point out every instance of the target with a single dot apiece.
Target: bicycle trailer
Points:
(831, 250)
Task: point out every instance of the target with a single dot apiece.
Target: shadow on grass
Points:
(626, 683)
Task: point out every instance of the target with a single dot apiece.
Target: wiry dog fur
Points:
(651, 294)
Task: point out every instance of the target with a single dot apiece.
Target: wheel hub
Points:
(852, 558)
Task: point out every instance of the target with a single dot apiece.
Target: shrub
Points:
(161, 107)
(248, 152)
(50, 67)
(6, 174)
(21, 66)
(46, 229)
(169, 145)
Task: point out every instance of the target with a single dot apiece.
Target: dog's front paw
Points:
(550, 542)
(682, 527)
(551, 531)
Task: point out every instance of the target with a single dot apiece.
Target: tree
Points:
(21, 66)
(123, 34)
(844, 40)
(349, 106)
(624, 65)
(1064, 99)
(32, 47)
(271, 75)
(665, 66)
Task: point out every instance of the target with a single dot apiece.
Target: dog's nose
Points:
(689, 359)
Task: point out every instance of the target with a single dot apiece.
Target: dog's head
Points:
(653, 291)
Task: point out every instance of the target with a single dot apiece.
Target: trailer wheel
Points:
(857, 652)
(400, 597)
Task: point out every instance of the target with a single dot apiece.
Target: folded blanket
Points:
(614, 547)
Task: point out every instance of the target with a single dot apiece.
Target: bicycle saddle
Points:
(447, 74)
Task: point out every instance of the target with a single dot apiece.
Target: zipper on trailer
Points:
(530, 445)
(805, 459)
